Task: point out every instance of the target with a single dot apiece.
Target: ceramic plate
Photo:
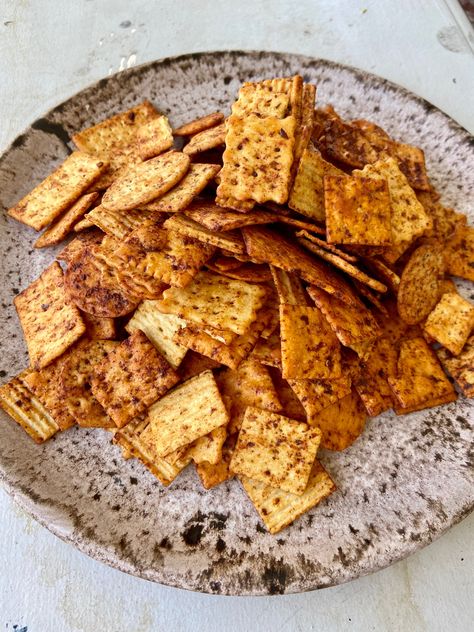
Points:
(404, 482)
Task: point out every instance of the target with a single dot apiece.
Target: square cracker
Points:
(275, 450)
(459, 253)
(341, 423)
(154, 137)
(372, 384)
(50, 323)
(309, 347)
(216, 301)
(191, 410)
(118, 224)
(351, 323)
(232, 242)
(357, 211)
(59, 190)
(159, 329)
(257, 159)
(63, 226)
(26, 410)
(316, 395)
(409, 219)
(278, 509)
(307, 193)
(419, 375)
(248, 385)
(451, 322)
(461, 367)
(207, 449)
(131, 378)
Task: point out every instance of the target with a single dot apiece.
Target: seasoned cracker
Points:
(289, 287)
(342, 423)
(324, 244)
(87, 238)
(195, 363)
(131, 378)
(459, 253)
(63, 226)
(251, 272)
(98, 328)
(429, 403)
(451, 322)
(278, 509)
(261, 100)
(83, 224)
(146, 181)
(461, 367)
(232, 242)
(199, 125)
(411, 162)
(316, 395)
(291, 405)
(154, 137)
(207, 139)
(58, 191)
(191, 410)
(208, 449)
(419, 283)
(218, 219)
(309, 347)
(118, 224)
(344, 143)
(50, 322)
(372, 384)
(212, 475)
(268, 351)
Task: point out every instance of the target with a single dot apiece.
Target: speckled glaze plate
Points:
(403, 483)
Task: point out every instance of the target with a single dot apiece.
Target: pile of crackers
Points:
(241, 291)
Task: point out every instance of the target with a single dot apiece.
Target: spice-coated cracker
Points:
(257, 159)
(411, 162)
(344, 143)
(251, 272)
(191, 410)
(58, 231)
(87, 238)
(98, 328)
(290, 405)
(409, 220)
(451, 322)
(50, 322)
(419, 375)
(159, 329)
(118, 223)
(214, 217)
(448, 398)
(305, 96)
(154, 137)
(146, 181)
(248, 385)
(213, 300)
(307, 193)
(342, 264)
(212, 475)
(309, 347)
(278, 509)
(208, 449)
(351, 323)
(58, 191)
(341, 423)
(231, 242)
(76, 374)
(372, 384)
(199, 125)
(459, 253)
(390, 278)
(289, 287)
(266, 245)
(261, 100)
(275, 450)
(268, 351)
(83, 224)
(316, 395)
(207, 139)
(27, 411)
(182, 194)
(324, 244)
(461, 367)
(131, 378)
(358, 211)
(419, 283)
(444, 220)
(195, 363)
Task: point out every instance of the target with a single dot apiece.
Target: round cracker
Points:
(92, 283)
(146, 181)
(418, 292)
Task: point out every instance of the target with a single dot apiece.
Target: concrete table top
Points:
(51, 50)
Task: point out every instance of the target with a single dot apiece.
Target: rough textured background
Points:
(288, 17)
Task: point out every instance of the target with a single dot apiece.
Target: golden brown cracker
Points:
(199, 125)
(372, 384)
(289, 287)
(212, 475)
(342, 423)
(195, 363)
(59, 230)
(232, 242)
(207, 139)
(153, 137)
(98, 328)
(216, 218)
(461, 367)
(316, 395)
(451, 322)
(118, 224)
(459, 253)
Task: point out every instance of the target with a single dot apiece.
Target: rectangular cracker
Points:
(409, 219)
(216, 301)
(207, 139)
(275, 450)
(232, 242)
(58, 231)
(357, 211)
(309, 347)
(180, 196)
(324, 245)
(351, 323)
(257, 159)
(59, 190)
(289, 287)
(118, 224)
(50, 323)
(451, 322)
(316, 395)
(459, 253)
(199, 125)
(307, 193)
(191, 410)
(248, 385)
(372, 384)
(18, 402)
(231, 355)
(429, 403)
(461, 367)
(159, 329)
(153, 137)
(344, 143)
(341, 423)
(411, 162)
(128, 438)
(266, 245)
(419, 375)
(219, 219)
(131, 378)
(278, 509)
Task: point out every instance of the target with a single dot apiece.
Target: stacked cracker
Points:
(243, 327)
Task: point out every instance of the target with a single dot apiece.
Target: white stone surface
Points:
(49, 50)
